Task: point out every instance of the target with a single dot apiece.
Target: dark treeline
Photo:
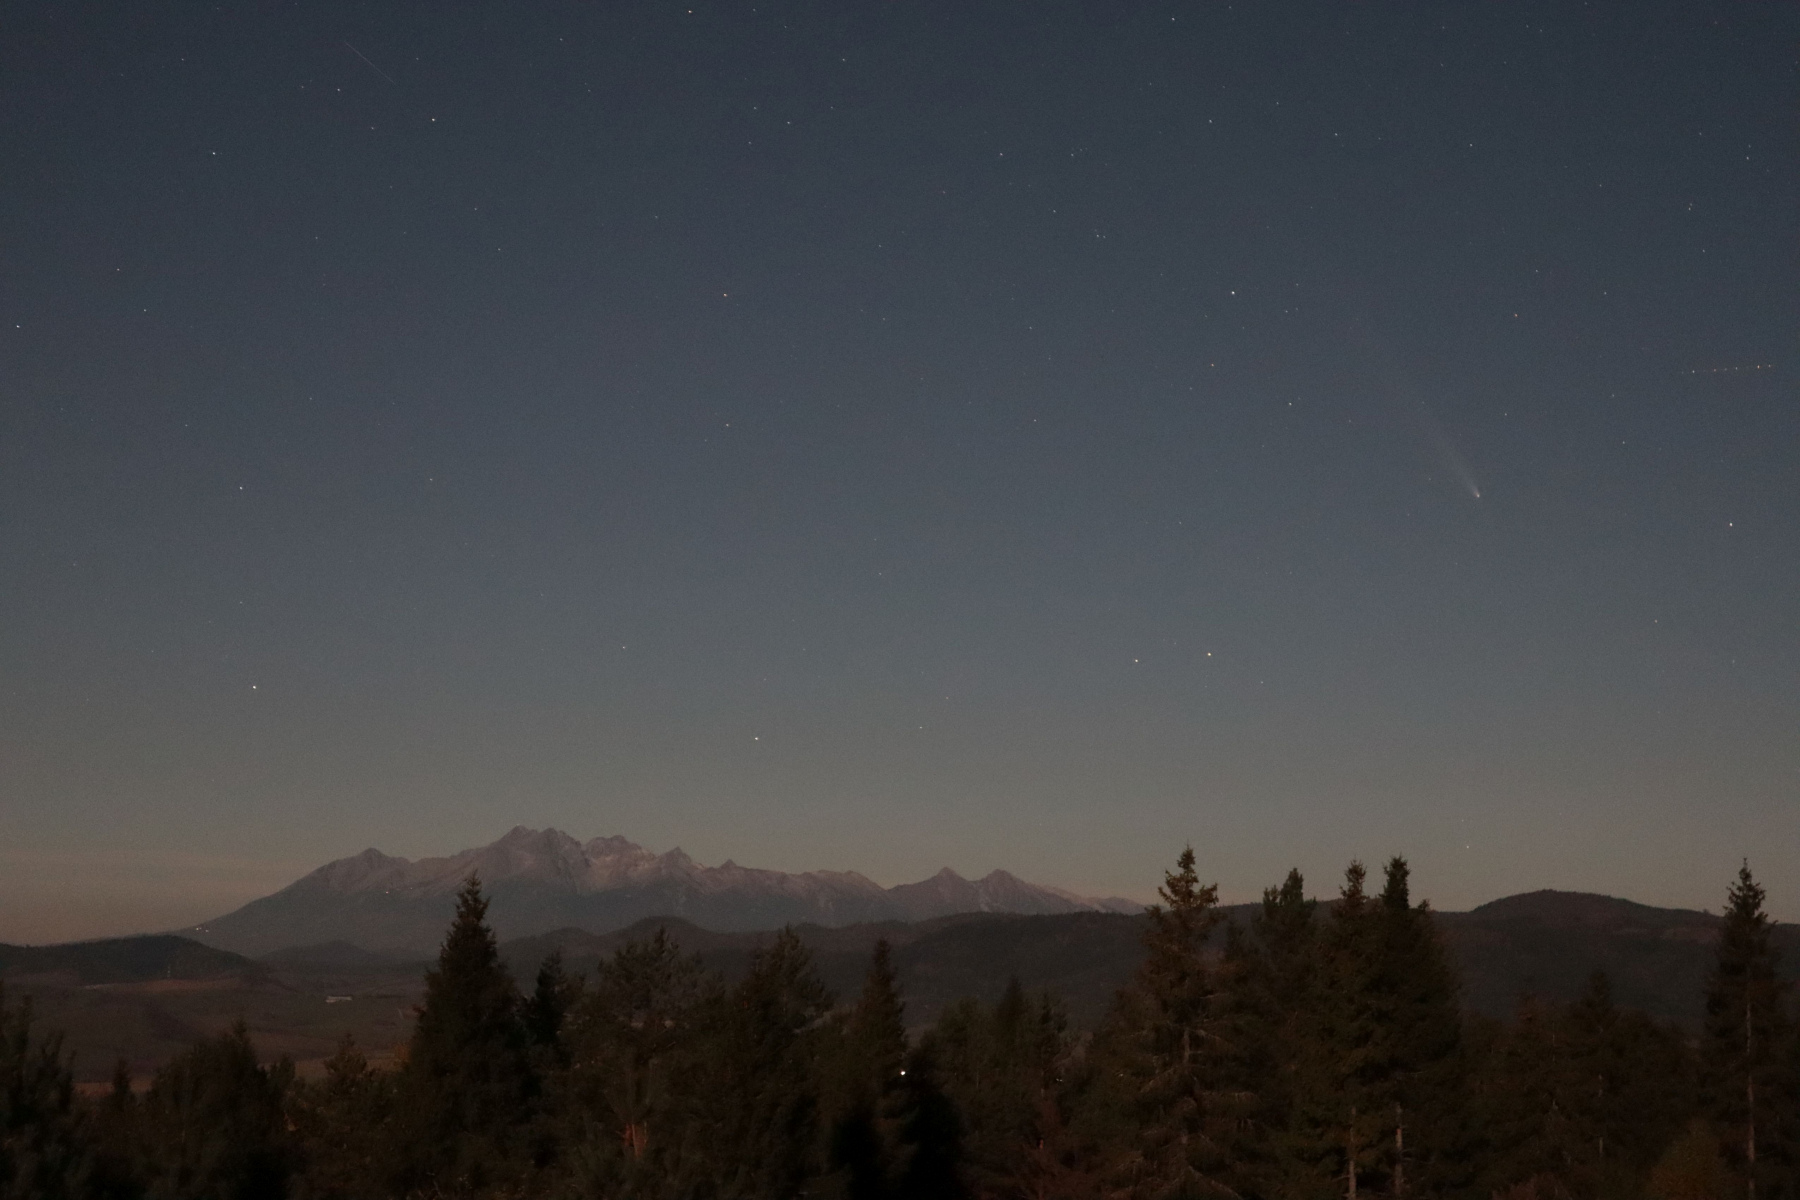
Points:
(1321, 1052)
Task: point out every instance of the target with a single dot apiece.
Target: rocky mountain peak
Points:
(610, 847)
(543, 879)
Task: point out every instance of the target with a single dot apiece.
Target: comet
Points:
(1447, 455)
(1405, 398)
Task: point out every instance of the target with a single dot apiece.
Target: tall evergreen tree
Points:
(215, 1124)
(1745, 1045)
(42, 1152)
(930, 1133)
(638, 1040)
(1000, 1068)
(113, 1136)
(868, 1088)
(761, 1108)
(1422, 1072)
(877, 1026)
(1281, 986)
(547, 1009)
(1378, 1083)
(467, 1084)
(1525, 1084)
(1692, 1168)
(1630, 1090)
(1340, 1105)
(345, 1121)
(1171, 1042)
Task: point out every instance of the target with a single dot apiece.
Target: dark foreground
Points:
(1305, 1052)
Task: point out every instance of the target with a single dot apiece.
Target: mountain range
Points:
(540, 880)
(146, 998)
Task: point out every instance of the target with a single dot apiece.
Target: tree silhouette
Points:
(41, 1151)
(215, 1125)
(1744, 1050)
(1171, 1043)
(467, 1084)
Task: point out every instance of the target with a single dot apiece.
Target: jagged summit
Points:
(544, 879)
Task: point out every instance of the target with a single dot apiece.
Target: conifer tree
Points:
(930, 1133)
(1171, 1046)
(113, 1136)
(1525, 1084)
(42, 1154)
(636, 1040)
(1630, 1089)
(877, 1026)
(215, 1124)
(1339, 1107)
(1744, 1046)
(869, 1085)
(999, 1068)
(467, 1083)
(761, 1093)
(1692, 1168)
(1286, 933)
(1378, 1093)
(1419, 1072)
(345, 1122)
(547, 1009)
(1277, 969)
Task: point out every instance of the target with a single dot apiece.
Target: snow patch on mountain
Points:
(543, 879)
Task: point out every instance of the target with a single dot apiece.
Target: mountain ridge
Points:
(544, 879)
(146, 998)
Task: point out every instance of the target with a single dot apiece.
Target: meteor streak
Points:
(372, 66)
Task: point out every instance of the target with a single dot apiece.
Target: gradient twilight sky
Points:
(885, 436)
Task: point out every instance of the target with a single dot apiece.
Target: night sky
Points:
(884, 436)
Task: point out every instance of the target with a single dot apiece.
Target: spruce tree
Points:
(1171, 1044)
(42, 1153)
(1692, 1168)
(1280, 976)
(547, 1009)
(113, 1135)
(877, 1027)
(1525, 1084)
(761, 1103)
(1339, 1112)
(215, 1126)
(999, 1067)
(1419, 1073)
(467, 1084)
(869, 1086)
(1629, 1090)
(1744, 1045)
(344, 1122)
(931, 1135)
(638, 1040)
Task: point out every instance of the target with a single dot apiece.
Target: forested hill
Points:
(123, 960)
(625, 1067)
(1543, 943)
(1548, 943)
